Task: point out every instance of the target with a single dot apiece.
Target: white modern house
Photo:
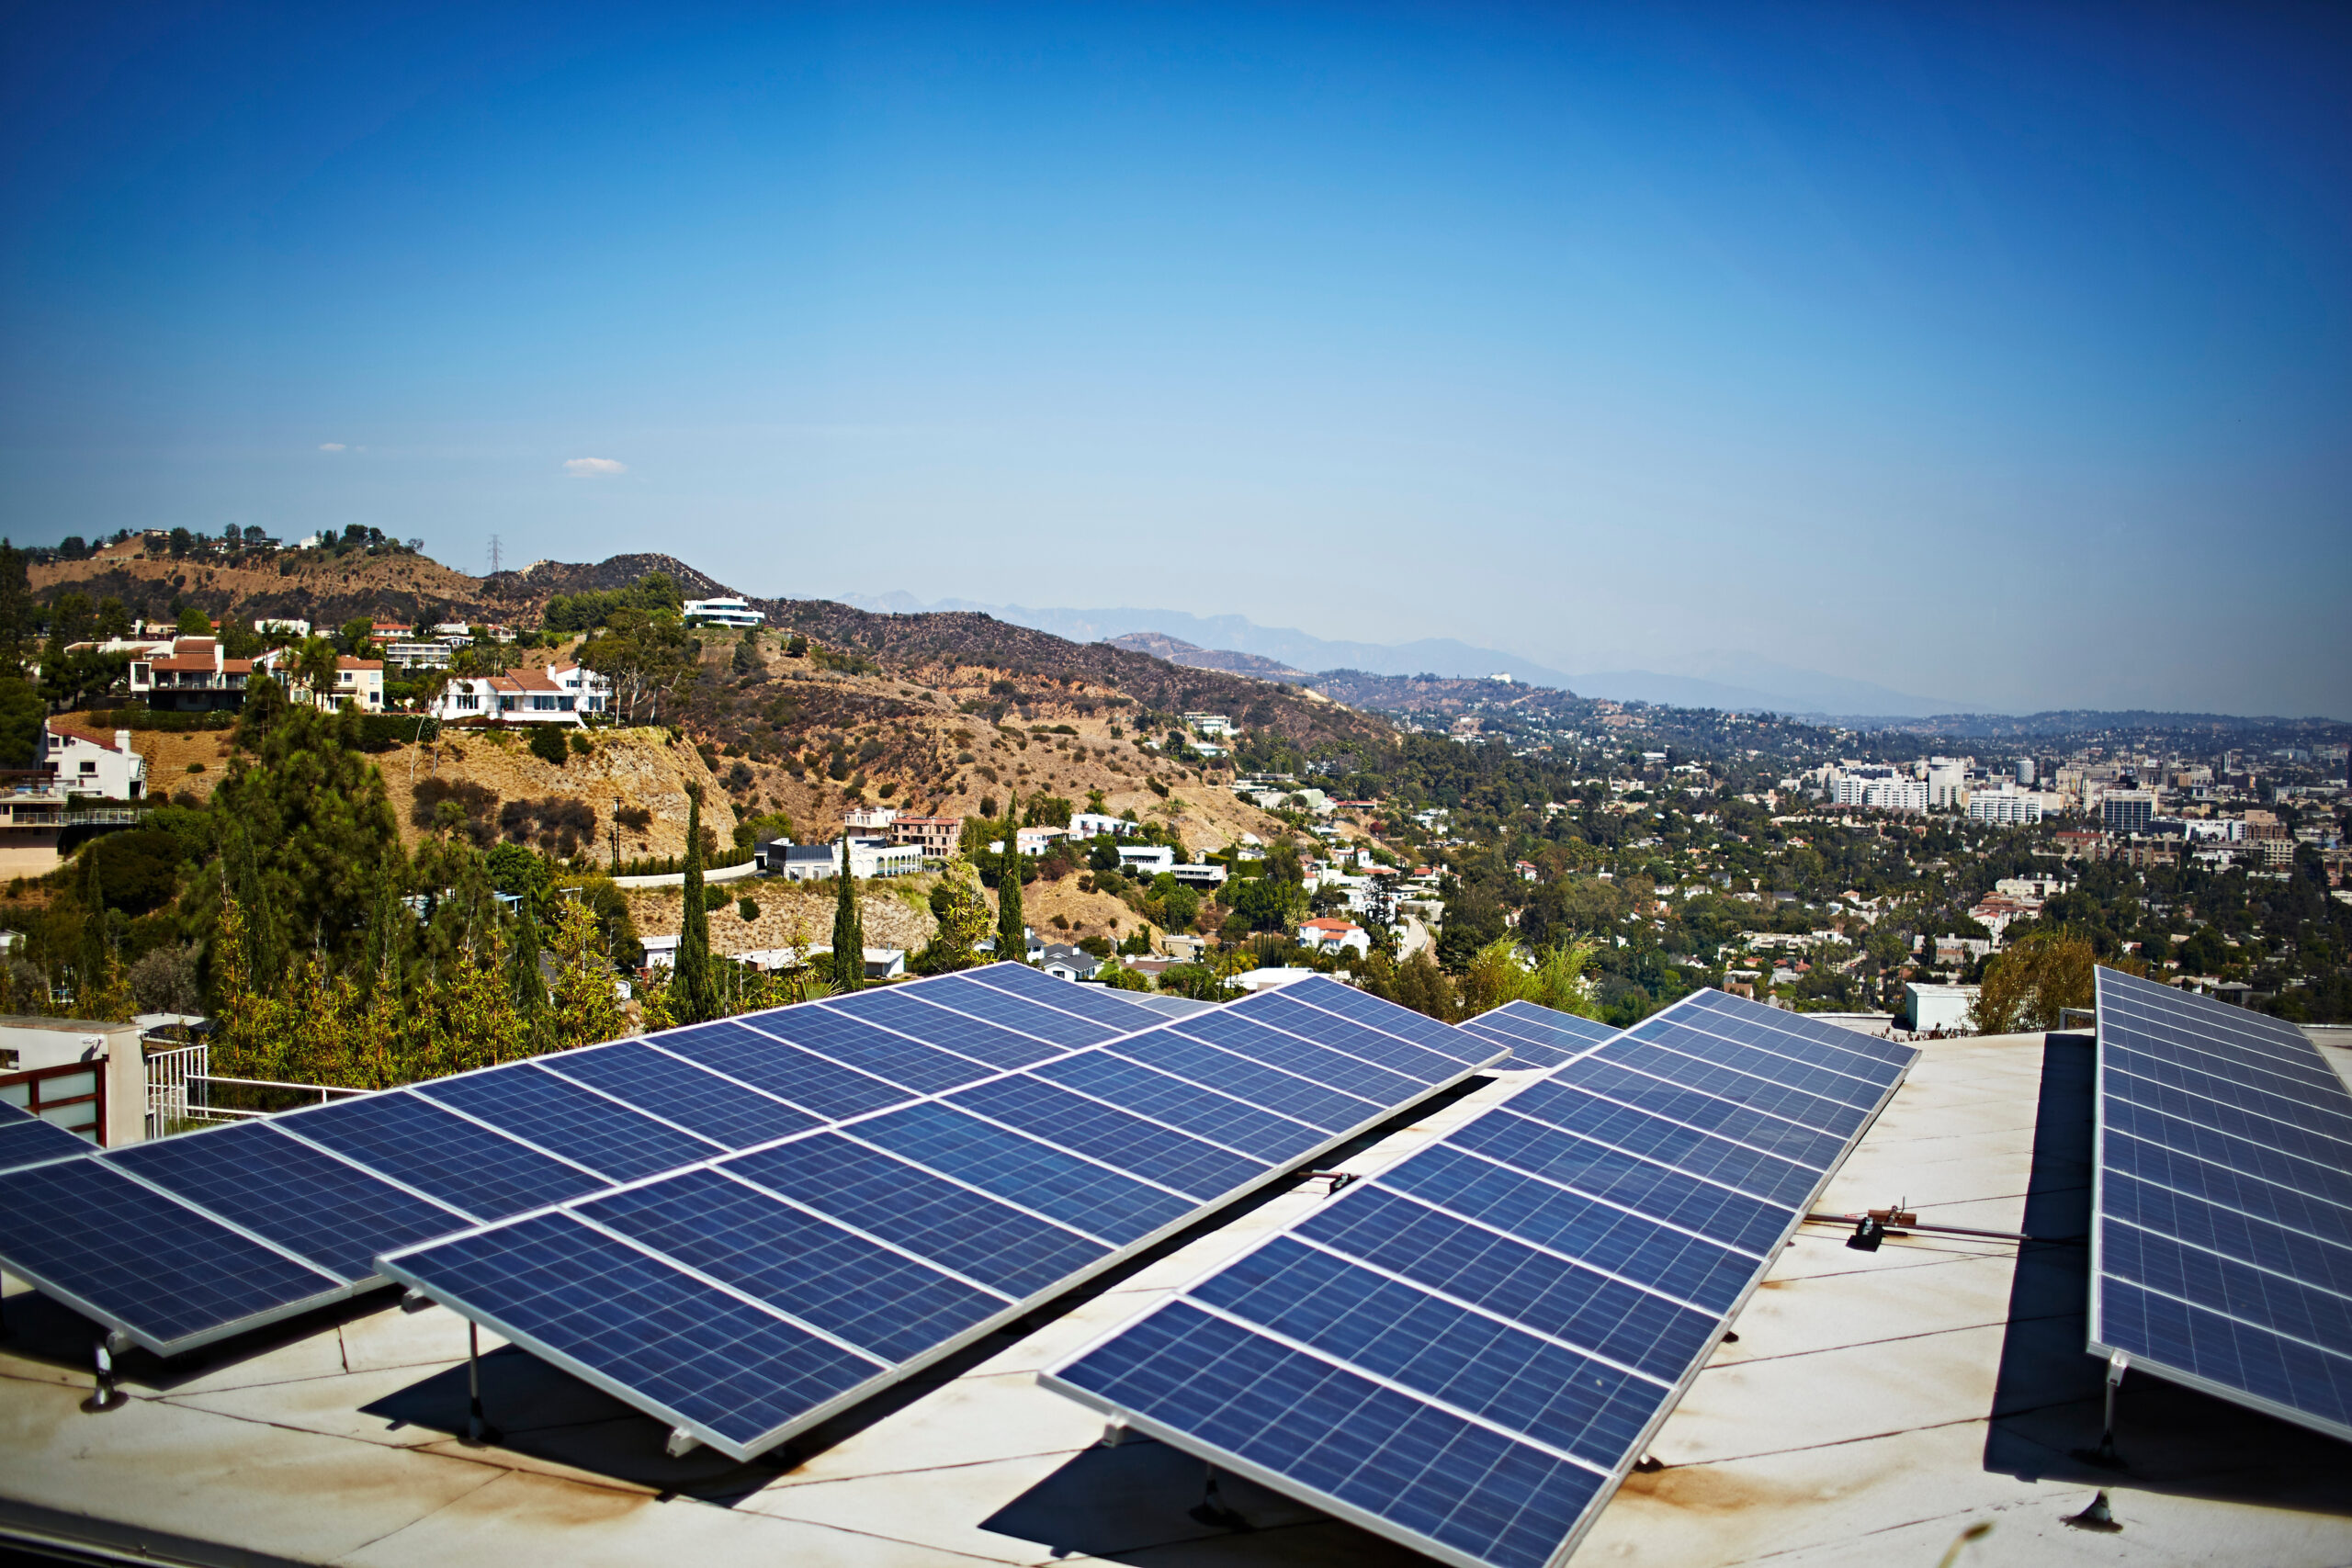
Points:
(88, 761)
(1332, 935)
(560, 693)
(722, 613)
(1098, 824)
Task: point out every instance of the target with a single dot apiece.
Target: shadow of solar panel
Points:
(1548, 1276)
(2222, 1239)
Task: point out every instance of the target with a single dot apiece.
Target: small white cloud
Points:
(330, 445)
(594, 467)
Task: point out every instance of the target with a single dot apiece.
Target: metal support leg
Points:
(1212, 1510)
(479, 1431)
(105, 1397)
(2105, 1455)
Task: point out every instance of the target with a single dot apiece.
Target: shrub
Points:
(749, 909)
(459, 806)
(548, 744)
(580, 745)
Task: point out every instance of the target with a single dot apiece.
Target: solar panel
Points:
(1467, 1351)
(26, 1139)
(2221, 1233)
(1539, 1036)
(327, 1188)
(969, 1207)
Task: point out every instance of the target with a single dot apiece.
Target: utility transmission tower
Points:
(493, 555)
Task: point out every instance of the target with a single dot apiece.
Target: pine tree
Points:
(692, 997)
(530, 988)
(1011, 929)
(849, 930)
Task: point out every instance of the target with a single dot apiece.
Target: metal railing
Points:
(180, 1085)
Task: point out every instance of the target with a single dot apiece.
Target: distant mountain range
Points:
(1735, 682)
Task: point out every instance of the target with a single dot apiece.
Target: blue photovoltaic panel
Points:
(286, 1191)
(1667, 1099)
(2221, 1240)
(612, 1314)
(442, 1155)
(1502, 1318)
(1007, 1010)
(826, 1029)
(1539, 1036)
(1279, 1010)
(823, 1274)
(1085, 1196)
(570, 1122)
(970, 1233)
(26, 1139)
(1284, 1093)
(696, 1099)
(1321, 991)
(908, 1232)
(1232, 1031)
(1218, 1116)
(164, 1273)
(1688, 1066)
(1125, 1141)
(905, 1011)
(824, 1087)
(1093, 1003)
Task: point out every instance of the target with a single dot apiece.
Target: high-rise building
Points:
(2127, 810)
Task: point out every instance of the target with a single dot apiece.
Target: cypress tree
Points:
(530, 988)
(849, 930)
(692, 997)
(1011, 930)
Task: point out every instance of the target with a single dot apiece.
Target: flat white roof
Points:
(1874, 1406)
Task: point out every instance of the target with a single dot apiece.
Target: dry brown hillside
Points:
(301, 584)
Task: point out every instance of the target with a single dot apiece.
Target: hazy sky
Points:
(2001, 352)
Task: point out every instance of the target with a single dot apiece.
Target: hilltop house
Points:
(85, 761)
(1329, 934)
(194, 677)
(560, 693)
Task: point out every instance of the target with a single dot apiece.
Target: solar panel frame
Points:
(1364, 1193)
(1118, 1251)
(2128, 1008)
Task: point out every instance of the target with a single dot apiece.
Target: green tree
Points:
(193, 621)
(586, 1011)
(960, 918)
(530, 987)
(1011, 929)
(2029, 987)
(849, 930)
(694, 996)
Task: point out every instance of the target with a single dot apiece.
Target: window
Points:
(89, 768)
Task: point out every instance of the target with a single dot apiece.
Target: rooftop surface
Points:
(1874, 1407)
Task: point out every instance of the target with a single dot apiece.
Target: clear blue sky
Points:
(2002, 353)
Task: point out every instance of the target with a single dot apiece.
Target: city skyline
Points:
(2001, 356)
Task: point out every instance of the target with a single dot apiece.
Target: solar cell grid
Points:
(1292, 1054)
(1714, 1048)
(1003, 1248)
(1089, 1197)
(819, 1084)
(165, 1273)
(28, 1140)
(976, 1038)
(1745, 1090)
(2223, 1206)
(441, 1154)
(1322, 992)
(1125, 1141)
(1285, 1093)
(1613, 1080)
(730, 1114)
(1723, 1004)
(1548, 1275)
(328, 1212)
(1093, 1003)
(620, 1319)
(1205, 1112)
(966, 995)
(881, 1301)
(570, 1121)
(824, 1029)
(1275, 1010)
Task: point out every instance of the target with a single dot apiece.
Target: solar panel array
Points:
(1467, 1350)
(749, 1296)
(26, 1139)
(1539, 1036)
(190, 1239)
(2221, 1240)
